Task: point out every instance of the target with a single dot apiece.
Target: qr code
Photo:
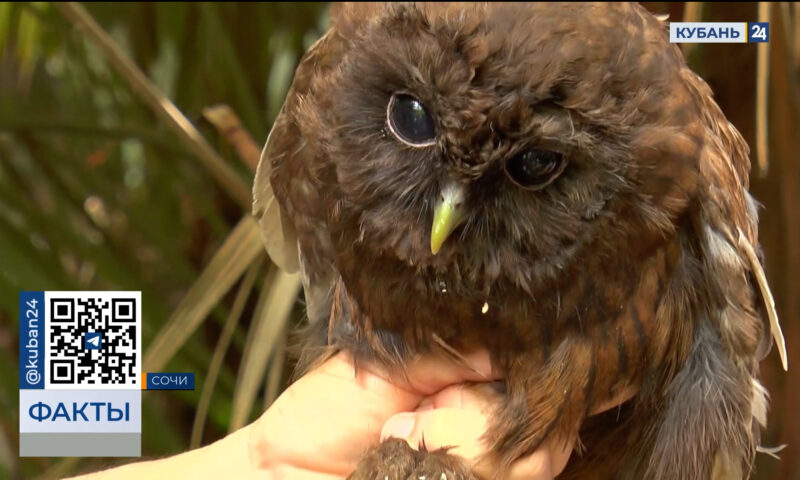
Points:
(93, 340)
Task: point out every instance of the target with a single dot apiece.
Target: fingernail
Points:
(481, 362)
(399, 426)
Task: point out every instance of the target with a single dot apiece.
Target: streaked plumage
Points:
(634, 267)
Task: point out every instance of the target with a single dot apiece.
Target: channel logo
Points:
(80, 386)
(719, 32)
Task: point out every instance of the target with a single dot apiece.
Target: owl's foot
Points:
(394, 459)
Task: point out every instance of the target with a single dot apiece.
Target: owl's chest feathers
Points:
(387, 308)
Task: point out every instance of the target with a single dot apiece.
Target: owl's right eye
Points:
(409, 121)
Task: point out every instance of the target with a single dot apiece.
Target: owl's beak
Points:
(448, 214)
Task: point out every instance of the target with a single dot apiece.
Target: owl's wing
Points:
(286, 199)
(730, 210)
(746, 237)
(277, 232)
(766, 296)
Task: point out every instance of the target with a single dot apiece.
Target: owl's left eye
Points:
(410, 122)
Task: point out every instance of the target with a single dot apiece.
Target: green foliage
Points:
(96, 193)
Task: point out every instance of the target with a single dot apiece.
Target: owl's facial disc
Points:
(448, 214)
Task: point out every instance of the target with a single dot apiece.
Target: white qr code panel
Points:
(93, 340)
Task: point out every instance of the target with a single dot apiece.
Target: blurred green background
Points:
(101, 189)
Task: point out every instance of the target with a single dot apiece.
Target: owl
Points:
(552, 183)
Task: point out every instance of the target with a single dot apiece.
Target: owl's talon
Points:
(394, 459)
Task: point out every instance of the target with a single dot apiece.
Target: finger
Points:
(462, 432)
(362, 401)
(547, 462)
(428, 374)
(457, 419)
(454, 428)
(341, 416)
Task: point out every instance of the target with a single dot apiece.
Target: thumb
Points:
(457, 419)
(456, 429)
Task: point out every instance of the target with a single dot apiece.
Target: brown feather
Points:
(622, 272)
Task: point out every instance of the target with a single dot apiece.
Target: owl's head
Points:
(502, 139)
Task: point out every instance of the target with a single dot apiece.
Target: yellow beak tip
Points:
(439, 233)
(446, 217)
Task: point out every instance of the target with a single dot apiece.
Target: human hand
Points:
(321, 426)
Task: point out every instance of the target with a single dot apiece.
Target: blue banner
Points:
(170, 381)
(31, 340)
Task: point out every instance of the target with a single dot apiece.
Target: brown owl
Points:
(549, 182)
